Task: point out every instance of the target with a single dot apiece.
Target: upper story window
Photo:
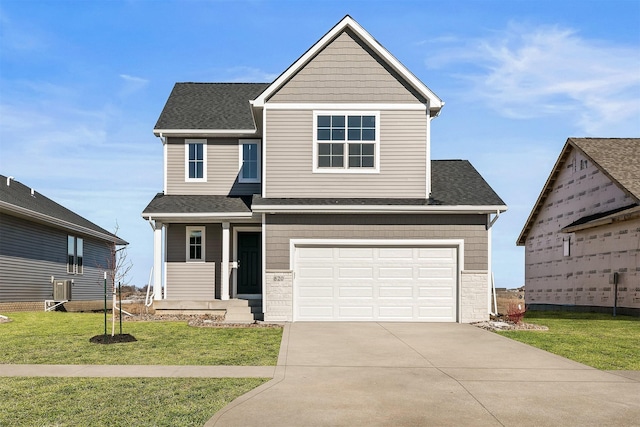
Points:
(195, 243)
(75, 252)
(195, 160)
(346, 141)
(249, 161)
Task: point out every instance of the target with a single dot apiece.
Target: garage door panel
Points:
(355, 273)
(353, 291)
(395, 273)
(390, 283)
(395, 291)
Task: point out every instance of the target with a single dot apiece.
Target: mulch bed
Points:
(115, 339)
(502, 325)
(201, 321)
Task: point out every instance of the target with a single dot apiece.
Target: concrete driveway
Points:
(410, 374)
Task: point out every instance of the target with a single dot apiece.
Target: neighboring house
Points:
(43, 243)
(583, 234)
(316, 195)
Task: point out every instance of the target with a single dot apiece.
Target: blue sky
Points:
(82, 84)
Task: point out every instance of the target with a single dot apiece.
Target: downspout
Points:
(493, 283)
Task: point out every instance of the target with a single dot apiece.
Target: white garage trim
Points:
(457, 244)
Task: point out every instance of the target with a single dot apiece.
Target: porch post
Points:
(224, 270)
(157, 261)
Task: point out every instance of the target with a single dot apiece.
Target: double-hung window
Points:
(346, 141)
(195, 160)
(195, 243)
(75, 249)
(249, 161)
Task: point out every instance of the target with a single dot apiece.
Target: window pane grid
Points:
(250, 161)
(346, 128)
(196, 160)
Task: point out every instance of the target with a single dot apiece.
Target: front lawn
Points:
(63, 338)
(116, 401)
(598, 340)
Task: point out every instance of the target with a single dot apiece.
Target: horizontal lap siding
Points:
(31, 253)
(345, 71)
(289, 152)
(222, 169)
(193, 281)
(280, 229)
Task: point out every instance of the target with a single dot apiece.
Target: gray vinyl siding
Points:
(280, 229)
(222, 169)
(191, 280)
(30, 253)
(289, 154)
(346, 71)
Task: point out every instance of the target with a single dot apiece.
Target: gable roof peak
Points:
(434, 102)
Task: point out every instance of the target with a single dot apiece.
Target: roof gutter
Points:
(203, 132)
(347, 209)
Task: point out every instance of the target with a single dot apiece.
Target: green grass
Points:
(63, 338)
(597, 340)
(116, 401)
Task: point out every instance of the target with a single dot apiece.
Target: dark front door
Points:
(249, 263)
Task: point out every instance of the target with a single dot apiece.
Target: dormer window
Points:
(195, 160)
(346, 141)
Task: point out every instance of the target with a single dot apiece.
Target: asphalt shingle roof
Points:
(19, 195)
(619, 158)
(454, 183)
(197, 204)
(207, 106)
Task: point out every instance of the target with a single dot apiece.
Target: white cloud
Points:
(525, 72)
(249, 74)
(132, 84)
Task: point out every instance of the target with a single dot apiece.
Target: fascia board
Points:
(378, 209)
(59, 223)
(203, 132)
(344, 106)
(348, 22)
(194, 216)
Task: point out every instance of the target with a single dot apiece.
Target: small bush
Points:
(515, 312)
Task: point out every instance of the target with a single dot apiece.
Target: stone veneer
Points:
(279, 296)
(474, 296)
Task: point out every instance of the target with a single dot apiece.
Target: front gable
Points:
(347, 70)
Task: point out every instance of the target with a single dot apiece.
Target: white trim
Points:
(377, 209)
(224, 268)
(188, 142)
(165, 162)
(264, 153)
(203, 231)
(449, 243)
(489, 264)
(263, 232)
(241, 144)
(203, 132)
(193, 215)
(427, 169)
(157, 261)
(348, 22)
(344, 106)
(234, 273)
(346, 169)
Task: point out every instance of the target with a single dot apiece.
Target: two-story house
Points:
(316, 195)
(582, 238)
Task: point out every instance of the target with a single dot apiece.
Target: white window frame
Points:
(187, 142)
(202, 230)
(241, 145)
(346, 168)
(75, 267)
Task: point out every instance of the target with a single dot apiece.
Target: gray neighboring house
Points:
(315, 198)
(40, 239)
(583, 234)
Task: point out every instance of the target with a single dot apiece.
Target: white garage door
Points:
(375, 283)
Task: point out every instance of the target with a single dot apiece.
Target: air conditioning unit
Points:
(62, 290)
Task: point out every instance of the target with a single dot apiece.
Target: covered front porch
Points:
(206, 262)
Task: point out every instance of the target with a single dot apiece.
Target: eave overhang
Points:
(204, 217)
(58, 223)
(191, 133)
(377, 209)
(624, 215)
